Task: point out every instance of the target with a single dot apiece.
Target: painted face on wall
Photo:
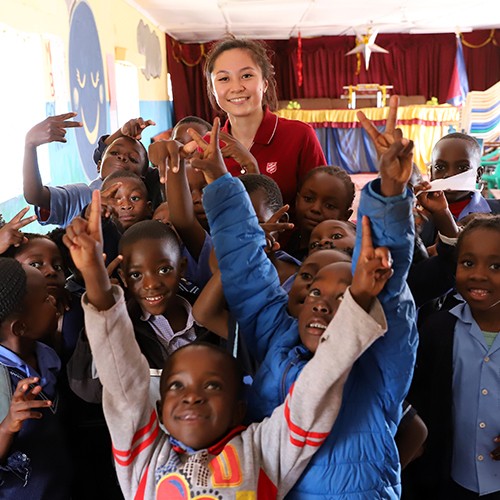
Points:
(87, 84)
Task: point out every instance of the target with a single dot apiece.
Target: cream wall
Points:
(116, 23)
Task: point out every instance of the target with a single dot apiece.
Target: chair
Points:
(491, 164)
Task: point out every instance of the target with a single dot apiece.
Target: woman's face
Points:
(238, 83)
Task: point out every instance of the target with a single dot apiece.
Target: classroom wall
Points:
(61, 32)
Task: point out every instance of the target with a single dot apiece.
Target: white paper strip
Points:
(465, 181)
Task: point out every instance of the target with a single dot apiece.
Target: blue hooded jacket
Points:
(359, 460)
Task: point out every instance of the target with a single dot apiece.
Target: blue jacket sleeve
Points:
(250, 281)
(392, 226)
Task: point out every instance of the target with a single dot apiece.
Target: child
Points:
(43, 254)
(205, 452)
(455, 154)
(333, 233)
(298, 288)
(151, 269)
(267, 202)
(456, 381)
(129, 203)
(34, 457)
(60, 204)
(179, 132)
(186, 212)
(363, 436)
(325, 193)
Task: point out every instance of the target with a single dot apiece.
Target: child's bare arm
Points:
(23, 406)
(210, 310)
(10, 233)
(49, 130)
(133, 128)
(410, 440)
(182, 214)
(84, 240)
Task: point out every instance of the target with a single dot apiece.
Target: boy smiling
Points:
(205, 453)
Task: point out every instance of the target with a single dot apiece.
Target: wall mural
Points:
(87, 84)
(148, 45)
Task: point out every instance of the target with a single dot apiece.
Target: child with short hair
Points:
(455, 154)
(180, 134)
(35, 462)
(204, 450)
(333, 233)
(151, 269)
(324, 193)
(363, 436)
(129, 203)
(298, 287)
(60, 204)
(457, 378)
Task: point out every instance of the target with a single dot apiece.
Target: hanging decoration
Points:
(177, 52)
(491, 38)
(299, 61)
(365, 44)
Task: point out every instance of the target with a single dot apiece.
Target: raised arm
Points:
(123, 370)
(388, 203)
(297, 428)
(49, 130)
(210, 310)
(251, 284)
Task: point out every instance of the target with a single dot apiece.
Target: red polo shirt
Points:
(285, 151)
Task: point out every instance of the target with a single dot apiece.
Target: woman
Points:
(240, 81)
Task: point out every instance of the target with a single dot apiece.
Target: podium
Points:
(366, 91)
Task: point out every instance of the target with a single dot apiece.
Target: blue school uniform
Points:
(39, 465)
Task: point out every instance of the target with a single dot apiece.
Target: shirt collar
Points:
(215, 449)
(49, 364)
(266, 130)
(462, 310)
(145, 316)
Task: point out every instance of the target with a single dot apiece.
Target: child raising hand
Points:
(204, 448)
(351, 457)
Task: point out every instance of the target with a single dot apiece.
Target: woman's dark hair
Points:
(258, 52)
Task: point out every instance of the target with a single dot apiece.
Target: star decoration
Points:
(365, 44)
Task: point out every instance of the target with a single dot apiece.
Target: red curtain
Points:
(415, 65)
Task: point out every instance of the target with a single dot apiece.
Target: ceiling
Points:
(204, 20)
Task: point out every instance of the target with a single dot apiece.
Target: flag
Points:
(459, 85)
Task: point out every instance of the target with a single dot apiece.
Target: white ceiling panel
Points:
(204, 20)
